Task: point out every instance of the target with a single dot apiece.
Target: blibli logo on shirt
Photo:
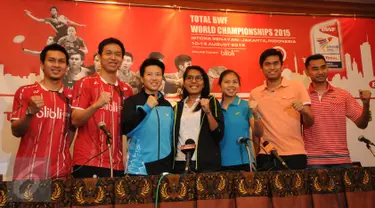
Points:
(113, 107)
(46, 112)
(237, 113)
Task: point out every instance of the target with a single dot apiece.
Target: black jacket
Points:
(208, 147)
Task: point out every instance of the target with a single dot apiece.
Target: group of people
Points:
(101, 112)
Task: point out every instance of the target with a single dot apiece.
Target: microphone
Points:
(243, 140)
(367, 141)
(188, 149)
(102, 126)
(269, 148)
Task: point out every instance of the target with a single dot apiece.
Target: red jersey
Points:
(91, 140)
(44, 149)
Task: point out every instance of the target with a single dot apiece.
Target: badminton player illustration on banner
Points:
(59, 23)
(72, 43)
(37, 53)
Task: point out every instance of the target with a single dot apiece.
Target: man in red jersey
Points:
(41, 117)
(98, 98)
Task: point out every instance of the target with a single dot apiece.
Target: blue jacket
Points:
(149, 132)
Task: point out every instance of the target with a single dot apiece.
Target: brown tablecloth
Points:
(317, 188)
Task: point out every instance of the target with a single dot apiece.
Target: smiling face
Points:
(271, 67)
(194, 82)
(317, 70)
(230, 85)
(54, 66)
(152, 79)
(111, 58)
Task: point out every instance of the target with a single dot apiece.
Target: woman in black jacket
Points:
(198, 117)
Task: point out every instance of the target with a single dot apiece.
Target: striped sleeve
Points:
(81, 95)
(353, 108)
(20, 104)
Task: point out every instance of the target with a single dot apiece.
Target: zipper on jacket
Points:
(157, 114)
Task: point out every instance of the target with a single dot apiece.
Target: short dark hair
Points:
(151, 62)
(206, 89)
(53, 7)
(108, 41)
(129, 54)
(53, 47)
(181, 59)
(270, 52)
(79, 52)
(156, 55)
(226, 72)
(314, 57)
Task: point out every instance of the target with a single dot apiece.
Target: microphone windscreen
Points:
(267, 147)
(189, 141)
(101, 124)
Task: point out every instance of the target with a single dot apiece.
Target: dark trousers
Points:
(91, 172)
(269, 163)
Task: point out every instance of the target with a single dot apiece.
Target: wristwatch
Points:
(28, 112)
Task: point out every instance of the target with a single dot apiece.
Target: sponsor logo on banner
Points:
(227, 53)
(326, 40)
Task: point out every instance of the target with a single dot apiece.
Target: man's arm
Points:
(74, 23)
(84, 47)
(307, 116)
(61, 41)
(363, 120)
(256, 123)
(303, 105)
(27, 51)
(81, 116)
(28, 13)
(21, 125)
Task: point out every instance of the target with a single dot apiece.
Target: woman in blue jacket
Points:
(147, 122)
(238, 118)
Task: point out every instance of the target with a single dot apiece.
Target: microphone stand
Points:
(187, 166)
(369, 147)
(249, 155)
(110, 155)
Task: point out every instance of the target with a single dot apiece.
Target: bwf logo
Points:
(46, 112)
